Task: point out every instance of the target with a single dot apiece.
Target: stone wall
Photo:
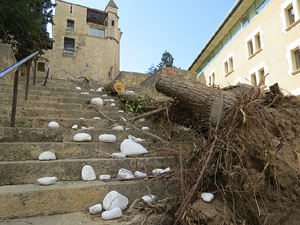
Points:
(132, 79)
(7, 59)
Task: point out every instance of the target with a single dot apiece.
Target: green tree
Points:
(23, 24)
(167, 60)
(152, 69)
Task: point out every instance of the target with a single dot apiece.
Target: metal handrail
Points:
(17, 65)
(46, 75)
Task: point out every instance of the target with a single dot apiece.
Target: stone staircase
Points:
(20, 194)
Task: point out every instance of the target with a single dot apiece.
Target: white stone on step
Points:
(91, 90)
(207, 197)
(53, 124)
(105, 95)
(161, 171)
(121, 111)
(107, 138)
(96, 118)
(129, 147)
(78, 88)
(114, 199)
(120, 155)
(142, 120)
(81, 118)
(47, 156)
(126, 92)
(85, 93)
(82, 137)
(99, 89)
(91, 128)
(166, 170)
(139, 174)
(118, 127)
(84, 128)
(123, 118)
(112, 214)
(112, 100)
(87, 173)
(127, 128)
(97, 101)
(47, 180)
(104, 177)
(112, 104)
(148, 198)
(75, 127)
(125, 174)
(145, 128)
(135, 139)
(95, 209)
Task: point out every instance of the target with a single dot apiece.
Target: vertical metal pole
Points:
(27, 78)
(34, 73)
(15, 98)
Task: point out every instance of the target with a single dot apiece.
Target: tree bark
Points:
(200, 98)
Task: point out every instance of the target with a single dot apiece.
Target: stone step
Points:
(20, 201)
(9, 134)
(27, 172)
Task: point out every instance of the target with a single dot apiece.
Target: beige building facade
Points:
(86, 42)
(258, 38)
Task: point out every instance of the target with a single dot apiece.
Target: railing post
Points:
(27, 78)
(34, 73)
(15, 98)
(46, 77)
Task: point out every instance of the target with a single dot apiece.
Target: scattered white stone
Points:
(118, 127)
(112, 100)
(207, 197)
(47, 156)
(135, 139)
(75, 127)
(91, 128)
(82, 137)
(139, 174)
(61, 78)
(99, 89)
(161, 171)
(145, 128)
(127, 128)
(148, 198)
(47, 180)
(97, 101)
(123, 118)
(87, 173)
(125, 174)
(121, 111)
(112, 104)
(107, 138)
(104, 177)
(84, 128)
(96, 118)
(81, 118)
(112, 214)
(167, 170)
(114, 199)
(142, 120)
(85, 93)
(78, 88)
(105, 95)
(126, 92)
(129, 147)
(120, 155)
(92, 90)
(106, 100)
(95, 209)
(53, 125)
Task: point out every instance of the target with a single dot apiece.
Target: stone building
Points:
(86, 42)
(256, 38)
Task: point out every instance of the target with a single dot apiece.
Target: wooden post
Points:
(34, 71)
(15, 98)
(27, 78)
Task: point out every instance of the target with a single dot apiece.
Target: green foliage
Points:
(167, 60)
(133, 104)
(23, 24)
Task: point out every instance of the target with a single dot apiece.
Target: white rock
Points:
(142, 120)
(148, 198)
(81, 118)
(53, 125)
(92, 90)
(85, 93)
(106, 100)
(107, 138)
(78, 88)
(75, 127)
(112, 214)
(91, 128)
(47, 156)
(87, 173)
(127, 128)
(99, 89)
(121, 111)
(82, 137)
(47, 180)
(96, 118)
(119, 155)
(104, 177)
(112, 100)
(125, 174)
(129, 147)
(207, 197)
(145, 128)
(114, 199)
(135, 139)
(157, 171)
(139, 174)
(120, 128)
(95, 209)
(104, 95)
(123, 118)
(112, 104)
(97, 101)
(84, 128)
(126, 92)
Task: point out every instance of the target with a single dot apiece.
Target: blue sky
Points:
(152, 26)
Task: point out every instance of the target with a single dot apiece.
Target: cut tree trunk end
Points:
(200, 98)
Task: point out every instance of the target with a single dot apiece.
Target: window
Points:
(228, 65)
(70, 25)
(71, 9)
(250, 48)
(213, 79)
(254, 43)
(296, 59)
(226, 68)
(96, 17)
(262, 76)
(69, 44)
(290, 15)
(96, 32)
(253, 79)
(290, 12)
(113, 23)
(41, 66)
(257, 42)
(231, 64)
(209, 81)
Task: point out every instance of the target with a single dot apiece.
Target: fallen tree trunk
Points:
(201, 99)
